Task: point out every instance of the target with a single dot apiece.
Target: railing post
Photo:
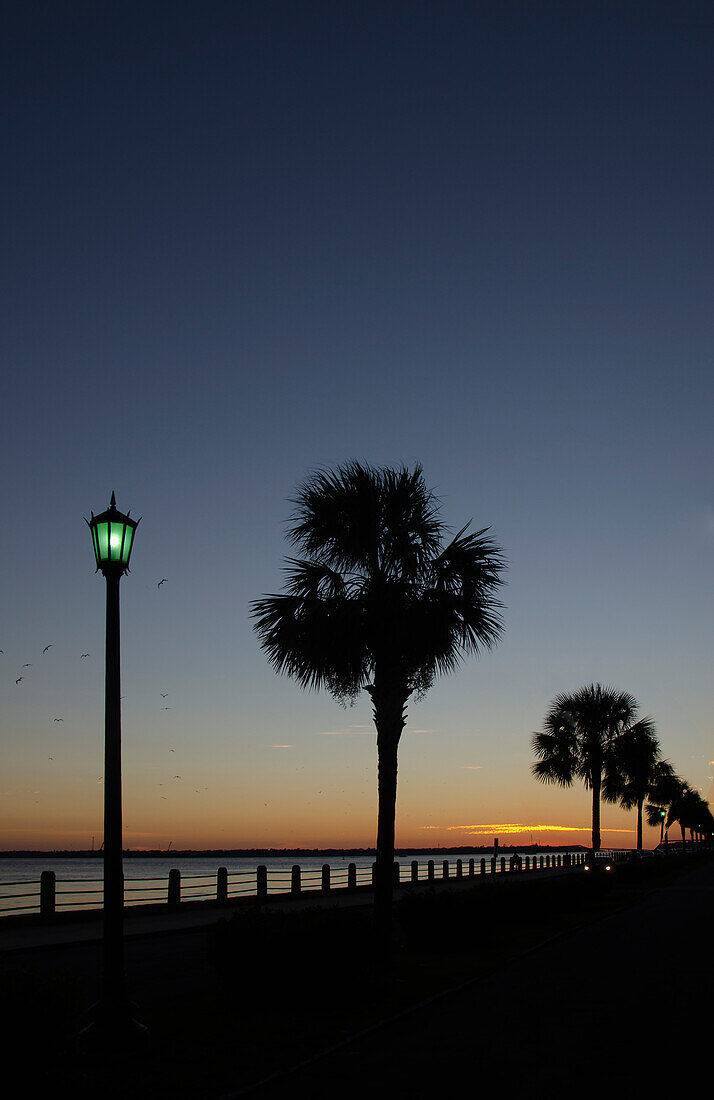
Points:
(222, 884)
(503, 865)
(459, 868)
(472, 867)
(174, 897)
(261, 882)
(47, 894)
(351, 876)
(445, 869)
(415, 870)
(374, 875)
(493, 865)
(325, 877)
(396, 877)
(482, 867)
(430, 870)
(295, 879)
(527, 864)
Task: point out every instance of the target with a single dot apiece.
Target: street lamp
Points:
(112, 539)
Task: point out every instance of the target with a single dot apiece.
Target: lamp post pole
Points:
(113, 993)
(112, 538)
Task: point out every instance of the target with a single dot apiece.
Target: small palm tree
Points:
(636, 754)
(381, 601)
(578, 739)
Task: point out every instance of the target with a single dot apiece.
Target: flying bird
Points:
(58, 719)
(28, 665)
(164, 694)
(162, 581)
(177, 777)
(172, 750)
(82, 655)
(19, 678)
(167, 708)
(48, 647)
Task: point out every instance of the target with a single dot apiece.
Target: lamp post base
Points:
(113, 1025)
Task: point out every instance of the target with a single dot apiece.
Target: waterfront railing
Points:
(52, 896)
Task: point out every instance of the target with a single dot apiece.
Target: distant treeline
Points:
(278, 853)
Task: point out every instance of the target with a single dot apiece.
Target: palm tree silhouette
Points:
(636, 756)
(664, 791)
(380, 601)
(578, 739)
(690, 810)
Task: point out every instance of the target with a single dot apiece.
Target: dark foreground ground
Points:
(571, 986)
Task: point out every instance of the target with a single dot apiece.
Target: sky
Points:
(244, 241)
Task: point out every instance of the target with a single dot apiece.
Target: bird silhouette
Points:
(172, 750)
(84, 655)
(19, 678)
(167, 708)
(28, 665)
(48, 647)
(177, 777)
(162, 581)
(58, 719)
(164, 694)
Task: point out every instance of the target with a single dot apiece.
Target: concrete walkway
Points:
(622, 1007)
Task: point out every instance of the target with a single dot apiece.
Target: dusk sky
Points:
(247, 240)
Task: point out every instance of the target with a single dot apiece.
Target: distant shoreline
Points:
(202, 853)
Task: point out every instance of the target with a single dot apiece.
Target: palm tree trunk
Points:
(597, 784)
(386, 814)
(389, 718)
(640, 801)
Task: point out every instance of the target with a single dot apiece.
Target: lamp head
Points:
(112, 539)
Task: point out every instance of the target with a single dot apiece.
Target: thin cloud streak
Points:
(515, 827)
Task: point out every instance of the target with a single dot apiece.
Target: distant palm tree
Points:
(381, 601)
(578, 739)
(664, 789)
(690, 810)
(636, 755)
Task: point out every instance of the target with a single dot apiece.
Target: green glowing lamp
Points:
(112, 538)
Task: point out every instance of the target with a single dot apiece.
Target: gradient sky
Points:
(245, 240)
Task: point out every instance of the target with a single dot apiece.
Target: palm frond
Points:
(375, 587)
(557, 755)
